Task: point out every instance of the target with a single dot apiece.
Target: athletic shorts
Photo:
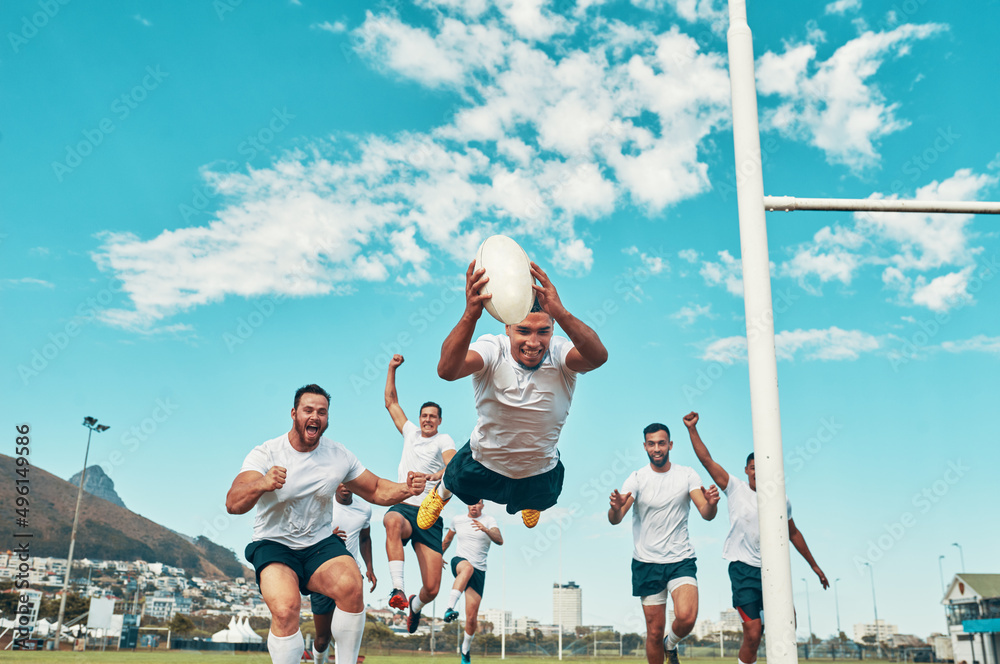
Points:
(748, 593)
(321, 604)
(304, 562)
(431, 538)
(471, 481)
(477, 581)
(653, 578)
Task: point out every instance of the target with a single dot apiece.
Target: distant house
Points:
(972, 605)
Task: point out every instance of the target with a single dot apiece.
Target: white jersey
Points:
(521, 411)
(422, 455)
(743, 541)
(298, 514)
(660, 513)
(470, 542)
(352, 519)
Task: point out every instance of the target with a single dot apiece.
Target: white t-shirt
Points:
(352, 519)
(298, 514)
(660, 513)
(471, 543)
(743, 541)
(422, 455)
(521, 411)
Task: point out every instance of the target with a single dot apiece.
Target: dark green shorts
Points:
(471, 481)
(477, 581)
(321, 604)
(748, 592)
(431, 538)
(304, 562)
(652, 578)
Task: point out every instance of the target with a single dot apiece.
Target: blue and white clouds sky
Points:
(208, 205)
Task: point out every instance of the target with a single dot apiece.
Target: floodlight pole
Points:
(764, 406)
(93, 426)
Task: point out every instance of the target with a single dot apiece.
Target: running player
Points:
(742, 545)
(663, 560)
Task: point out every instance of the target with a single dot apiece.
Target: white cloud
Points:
(144, 21)
(944, 292)
(692, 312)
(727, 272)
(835, 108)
(977, 344)
(689, 255)
(336, 28)
(843, 6)
(829, 344)
(28, 282)
(652, 264)
(831, 256)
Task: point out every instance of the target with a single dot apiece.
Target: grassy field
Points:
(193, 657)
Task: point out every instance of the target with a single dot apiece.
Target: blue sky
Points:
(206, 206)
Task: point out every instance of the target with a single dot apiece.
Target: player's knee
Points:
(654, 633)
(433, 587)
(752, 632)
(321, 642)
(284, 612)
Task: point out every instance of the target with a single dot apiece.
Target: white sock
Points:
(670, 643)
(416, 604)
(453, 598)
(742, 662)
(443, 492)
(396, 572)
(347, 629)
(320, 657)
(467, 643)
(286, 649)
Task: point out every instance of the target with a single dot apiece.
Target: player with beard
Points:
(292, 480)
(523, 382)
(663, 560)
(742, 545)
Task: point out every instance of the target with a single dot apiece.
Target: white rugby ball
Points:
(510, 282)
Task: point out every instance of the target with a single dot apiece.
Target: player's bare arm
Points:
(718, 473)
(380, 491)
(365, 546)
(620, 504)
(448, 537)
(707, 501)
(250, 485)
(457, 361)
(492, 533)
(391, 398)
(446, 457)
(588, 352)
(799, 542)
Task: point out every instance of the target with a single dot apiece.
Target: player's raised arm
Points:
(457, 361)
(796, 538)
(588, 352)
(380, 491)
(249, 486)
(620, 504)
(391, 398)
(718, 473)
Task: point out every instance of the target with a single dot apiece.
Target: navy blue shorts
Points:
(652, 578)
(431, 538)
(304, 562)
(471, 481)
(748, 591)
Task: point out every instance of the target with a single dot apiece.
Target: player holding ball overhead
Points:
(524, 382)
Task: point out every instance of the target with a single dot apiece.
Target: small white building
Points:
(972, 606)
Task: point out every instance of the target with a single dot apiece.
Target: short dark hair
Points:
(431, 403)
(749, 459)
(312, 388)
(536, 307)
(654, 427)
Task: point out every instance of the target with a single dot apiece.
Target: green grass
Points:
(193, 656)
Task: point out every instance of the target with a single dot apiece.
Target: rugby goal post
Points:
(761, 360)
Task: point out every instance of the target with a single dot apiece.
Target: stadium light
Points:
(836, 604)
(809, 614)
(92, 425)
(941, 572)
(960, 554)
(871, 570)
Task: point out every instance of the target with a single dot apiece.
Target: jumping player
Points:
(473, 534)
(292, 479)
(427, 451)
(523, 382)
(742, 545)
(352, 523)
(663, 560)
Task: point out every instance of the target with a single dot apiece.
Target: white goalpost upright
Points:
(761, 360)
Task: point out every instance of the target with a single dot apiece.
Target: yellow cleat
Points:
(530, 517)
(430, 509)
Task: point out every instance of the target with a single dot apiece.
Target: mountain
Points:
(105, 531)
(98, 484)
